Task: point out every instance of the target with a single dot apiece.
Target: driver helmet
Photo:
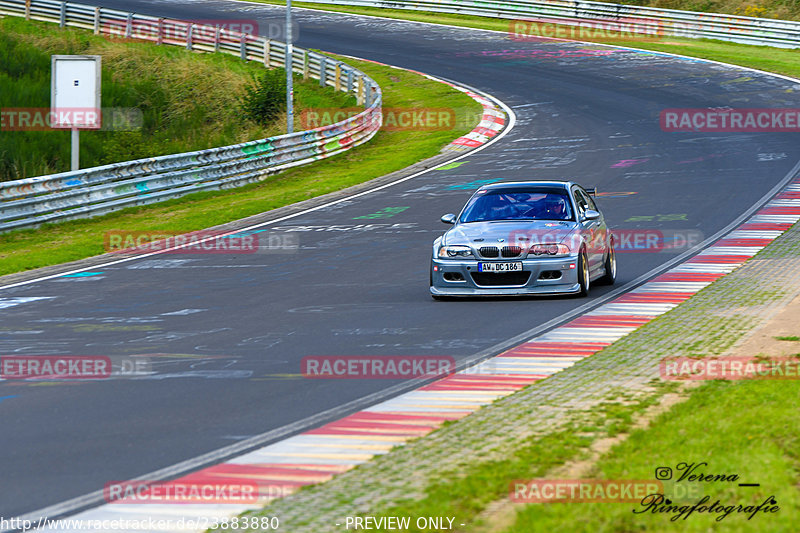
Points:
(556, 205)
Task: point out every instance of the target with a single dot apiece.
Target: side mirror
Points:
(591, 214)
(449, 218)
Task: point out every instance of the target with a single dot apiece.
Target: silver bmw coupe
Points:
(524, 238)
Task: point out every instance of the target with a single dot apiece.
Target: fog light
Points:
(572, 265)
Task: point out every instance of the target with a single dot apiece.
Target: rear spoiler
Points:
(591, 190)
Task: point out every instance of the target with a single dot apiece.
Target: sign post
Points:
(75, 97)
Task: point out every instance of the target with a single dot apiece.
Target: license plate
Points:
(499, 267)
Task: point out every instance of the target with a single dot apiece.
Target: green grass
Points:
(779, 9)
(747, 428)
(386, 152)
(793, 338)
(781, 61)
(466, 492)
(188, 101)
(463, 494)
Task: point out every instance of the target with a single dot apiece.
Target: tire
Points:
(583, 274)
(610, 266)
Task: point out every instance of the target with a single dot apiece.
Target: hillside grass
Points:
(187, 101)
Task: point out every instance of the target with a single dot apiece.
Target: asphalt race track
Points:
(225, 334)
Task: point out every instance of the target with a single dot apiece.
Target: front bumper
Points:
(456, 278)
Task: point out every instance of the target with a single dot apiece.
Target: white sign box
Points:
(75, 92)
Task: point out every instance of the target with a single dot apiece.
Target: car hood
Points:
(511, 231)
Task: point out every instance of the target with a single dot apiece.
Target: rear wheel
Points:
(583, 274)
(610, 266)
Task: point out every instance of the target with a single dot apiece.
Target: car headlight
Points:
(549, 249)
(455, 251)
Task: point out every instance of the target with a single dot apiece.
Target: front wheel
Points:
(583, 274)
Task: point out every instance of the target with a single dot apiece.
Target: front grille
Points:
(489, 251)
(500, 278)
(511, 251)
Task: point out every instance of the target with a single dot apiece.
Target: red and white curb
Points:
(319, 454)
(493, 118)
(492, 122)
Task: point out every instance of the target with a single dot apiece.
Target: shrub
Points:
(265, 98)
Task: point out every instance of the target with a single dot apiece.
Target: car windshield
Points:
(517, 205)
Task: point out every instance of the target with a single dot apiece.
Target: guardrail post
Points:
(322, 65)
(337, 78)
(360, 90)
(349, 81)
(129, 26)
(305, 64)
(28, 9)
(367, 94)
(63, 19)
(243, 46)
(267, 52)
(189, 31)
(216, 39)
(97, 21)
(160, 38)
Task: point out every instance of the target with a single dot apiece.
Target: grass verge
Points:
(178, 101)
(387, 152)
(749, 429)
(467, 491)
(778, 9)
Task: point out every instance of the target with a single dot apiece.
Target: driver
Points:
(555, 207)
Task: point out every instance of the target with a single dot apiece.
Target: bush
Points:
(265, 98)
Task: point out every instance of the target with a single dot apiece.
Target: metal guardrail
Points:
(637, 19)
(34, 201)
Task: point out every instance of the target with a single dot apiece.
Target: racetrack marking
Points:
(696, 267)
(650, 310)
(605, 334)
(183, 312)
(754, 234)
(5, 303)
(787, 219)
(673, 286)
(732, 250)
